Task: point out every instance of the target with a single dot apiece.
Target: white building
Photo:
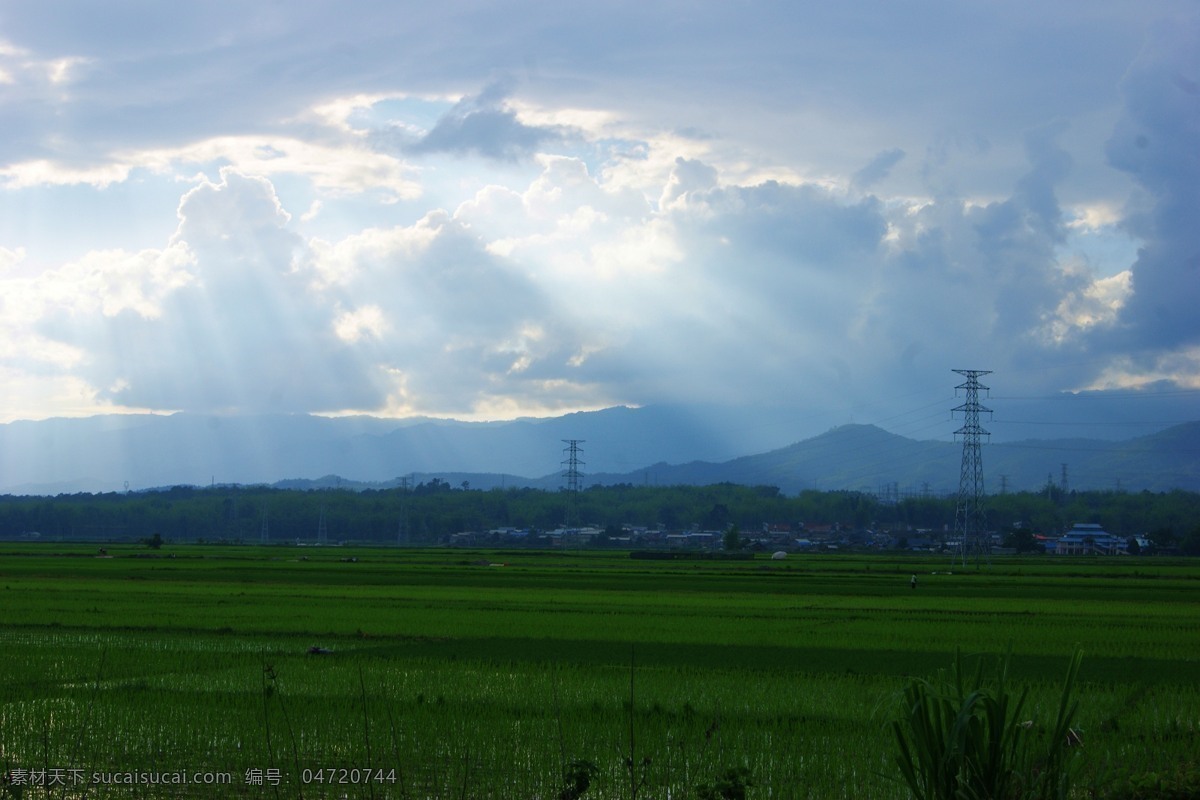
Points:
(1087, 539)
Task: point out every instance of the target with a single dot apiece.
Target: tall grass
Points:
(960, 739)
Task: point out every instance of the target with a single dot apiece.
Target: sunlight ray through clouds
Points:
(464, 215)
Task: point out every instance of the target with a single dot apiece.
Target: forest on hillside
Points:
(432, 511)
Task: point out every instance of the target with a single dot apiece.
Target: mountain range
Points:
(652, 445)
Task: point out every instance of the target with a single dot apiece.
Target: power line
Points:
(1097, 423)
(1106, 394)
(1117, 447)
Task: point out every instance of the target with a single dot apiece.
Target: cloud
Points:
(721, 289)
(817, 295)
(1097, 303)
(1155, 141)
(482, 125)
(230, 324)
(878, 168)
(336, 168)
(688, 176)
(10, 258)
(365, 321)
(555, 225)
(25, 72)
(785, 228)
(100, 286)
(44, 172)
(456, 328)
(659, 208)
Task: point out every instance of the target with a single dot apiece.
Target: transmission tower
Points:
(969, 524)
(322, 529)
(402, 535)
(264, 533)
(574, 477)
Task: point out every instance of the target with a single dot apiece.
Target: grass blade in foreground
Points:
(956, 740)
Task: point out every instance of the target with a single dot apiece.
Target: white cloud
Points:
(113, 282)
(103, 284)
(801, 206)
(220, 319)
(335, 169)
(1180, 369)
(20, 66)
(10, 258)
(32, 395)
(44, 172)
(1099, 216)
(1097, 303)
(366, 321)
(339, 112)
(338, 170)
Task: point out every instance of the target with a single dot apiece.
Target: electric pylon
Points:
(969, 524)
(402, 534)
(574, 478)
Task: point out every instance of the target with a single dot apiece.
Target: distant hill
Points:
(620, 445)
(865, 457)
(1162, 461)
(848, 457)
(104, 453)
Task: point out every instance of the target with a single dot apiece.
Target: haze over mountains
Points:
(659, 445)
(865, 457)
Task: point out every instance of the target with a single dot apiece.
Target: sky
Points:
(488, 210)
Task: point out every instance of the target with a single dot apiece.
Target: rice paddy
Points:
(337, 672)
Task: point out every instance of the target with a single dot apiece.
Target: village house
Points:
(1087, 539)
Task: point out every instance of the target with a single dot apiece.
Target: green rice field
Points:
(442, 673)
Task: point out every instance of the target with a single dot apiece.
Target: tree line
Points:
(431, 511)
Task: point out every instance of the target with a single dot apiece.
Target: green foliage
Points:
(433, 510)
(1180, 782)
(1022, 540)
(733, 539)
(959, 740)
(577, 779)
(1191, 543)
(732, 784)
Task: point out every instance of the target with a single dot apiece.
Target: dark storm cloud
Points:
(995, 265)
(1157, 141)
